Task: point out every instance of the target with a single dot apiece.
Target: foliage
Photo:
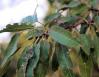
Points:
(58, 45)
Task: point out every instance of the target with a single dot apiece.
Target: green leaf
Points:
(22, 62)
(32, 63)
(63, 37)
(69, 19)
(82, 10)
(44, 47)
(40, 71)
(68, 73)
(30, 19)
(63, 58)
(16, 27)
(96, 46)
(96, 18)
(34, 33)
(12, 47)
(83, 28)
(26, 55)
(52, 17)
(73, 4)
(85, 43)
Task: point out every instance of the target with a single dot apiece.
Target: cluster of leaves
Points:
(57, 45)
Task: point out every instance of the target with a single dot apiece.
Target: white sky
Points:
(12, 11)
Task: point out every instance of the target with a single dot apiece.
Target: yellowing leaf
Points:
(24, 45)
(91, 32)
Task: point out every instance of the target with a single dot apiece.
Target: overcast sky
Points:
(12, 11)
